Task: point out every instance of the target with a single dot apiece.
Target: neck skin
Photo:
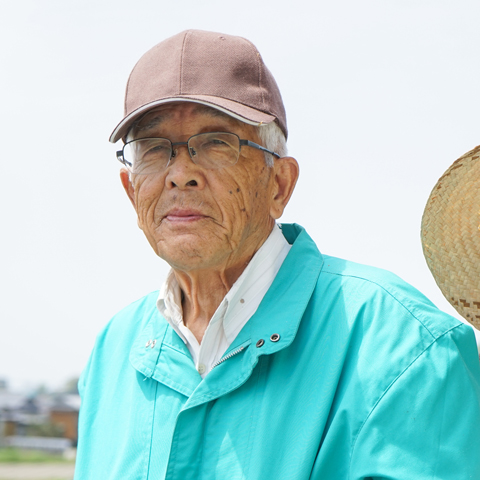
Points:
(204, 290)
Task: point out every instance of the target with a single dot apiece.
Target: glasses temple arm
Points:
(248, 143)
(122, 160)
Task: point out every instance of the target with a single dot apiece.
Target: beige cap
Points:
(221, 71)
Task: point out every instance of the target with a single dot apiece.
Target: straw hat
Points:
(451, 235)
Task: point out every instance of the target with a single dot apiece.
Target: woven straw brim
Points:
(451, 235)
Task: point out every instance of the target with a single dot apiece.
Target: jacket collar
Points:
(279, 313)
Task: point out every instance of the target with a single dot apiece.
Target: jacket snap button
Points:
(260, 343)
(275, 337)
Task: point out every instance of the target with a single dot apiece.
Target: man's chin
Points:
(186, 251)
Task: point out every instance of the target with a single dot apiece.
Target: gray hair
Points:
(272, 137)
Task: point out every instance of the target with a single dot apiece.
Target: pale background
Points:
(382, 96)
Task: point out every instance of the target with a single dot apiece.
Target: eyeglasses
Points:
(213, 150)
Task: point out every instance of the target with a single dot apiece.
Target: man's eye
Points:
(212, 142)
(215, 143)
(158, 148)
(155, 150)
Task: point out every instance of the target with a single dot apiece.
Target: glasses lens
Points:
(214, 150)
(148, 155)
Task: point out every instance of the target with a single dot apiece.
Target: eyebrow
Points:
(153, 122)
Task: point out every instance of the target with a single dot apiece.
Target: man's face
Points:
(196, 218)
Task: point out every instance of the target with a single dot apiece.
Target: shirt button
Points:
(201, 368)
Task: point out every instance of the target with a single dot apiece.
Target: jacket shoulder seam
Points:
(387, 291)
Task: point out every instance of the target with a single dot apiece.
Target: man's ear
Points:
(127, 185)
(286, 175)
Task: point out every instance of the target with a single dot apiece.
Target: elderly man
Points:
(260, 358)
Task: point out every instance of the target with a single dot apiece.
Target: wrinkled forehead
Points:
(169, 113)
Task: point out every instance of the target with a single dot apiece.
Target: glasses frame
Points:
(173, 154)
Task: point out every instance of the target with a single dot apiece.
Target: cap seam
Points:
(259, 67)
(180, 86)
(259, 63)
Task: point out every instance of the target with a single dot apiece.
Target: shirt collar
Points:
(245, 295)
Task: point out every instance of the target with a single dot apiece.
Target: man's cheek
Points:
(233, 210)
(145, 214)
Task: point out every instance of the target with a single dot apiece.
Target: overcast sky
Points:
(381, 97)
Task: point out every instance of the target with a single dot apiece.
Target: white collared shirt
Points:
(236, 308)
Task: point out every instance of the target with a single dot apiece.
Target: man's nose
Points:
(182, 172)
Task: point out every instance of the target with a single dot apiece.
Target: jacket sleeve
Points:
(426, 425)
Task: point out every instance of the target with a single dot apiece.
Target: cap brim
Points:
(236, 110)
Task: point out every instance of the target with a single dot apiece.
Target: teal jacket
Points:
(344, 372)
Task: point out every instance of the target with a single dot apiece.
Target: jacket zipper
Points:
(230, 355)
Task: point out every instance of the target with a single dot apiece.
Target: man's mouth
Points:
(178, 215)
